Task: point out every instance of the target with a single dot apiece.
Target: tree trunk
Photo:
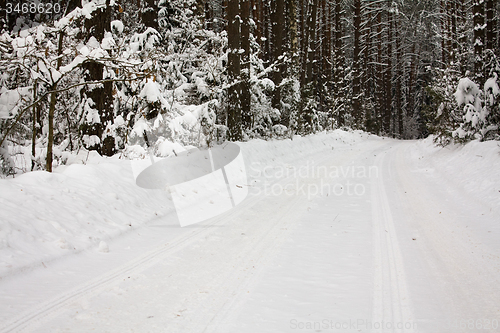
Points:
(302, 22)
(356, 84)
(462, 40)
(34, 127)
(444, 32)
(150, 13)
(233, 69)
(245, 65)
(278, 24)
(266, 12)
(3, 13)
(454, 42)
(411, 89)
(101, 96)
(256, 10)
(491, 21)
(327, 37)
(478, 11)
(367, 74)
(292, 12)
(304, 44)
(398, 80)
(52, 107)
(379, 83)
(338, 63)
(312, 41)
(388, 78)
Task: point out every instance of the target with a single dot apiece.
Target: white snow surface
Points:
(9, 100)
(467, 92)
(152, 93)
(117, 25)
(341, 231)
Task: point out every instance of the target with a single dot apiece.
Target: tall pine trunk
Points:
(233, 70)
(338, 64)
(356, 83)
(245, 65)
(478, 12)
(491, 21)
(278, 24)
(388, 78)
(101, 96)
(311, 52)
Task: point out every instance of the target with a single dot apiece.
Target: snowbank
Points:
(44, 216)
(472, 167)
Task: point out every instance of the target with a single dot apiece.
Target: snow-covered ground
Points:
(340, 231)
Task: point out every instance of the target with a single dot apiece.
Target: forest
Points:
(152, 76)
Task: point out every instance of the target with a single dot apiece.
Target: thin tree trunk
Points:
(245, 65)
(292, 12)
(454, 44)
(278, 27)
(52, 107)
(256, 11)
(399, 75)
(491, 24)
(323, 59)
(478, 10)
(388, 78)
(356, 84)
(462, 40)
(367, 75)
(444, 32)
(312, 40)
(302, 22)
(233, 68)
(410, 97)
(34, 129)
(338, 63)
(327, 37)
(305, 44)
(208, 17)
(380, 75)
(267, 33)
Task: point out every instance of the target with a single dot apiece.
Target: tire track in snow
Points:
(261, 254)
(33, 318)
(391, 302)
(230, 310)
(460, 267)
(30, 320)
(269, 237)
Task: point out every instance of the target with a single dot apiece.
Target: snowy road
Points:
(369, 237)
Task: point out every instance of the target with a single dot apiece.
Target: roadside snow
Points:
(473, 167)
(418, 245)
(45, 216)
